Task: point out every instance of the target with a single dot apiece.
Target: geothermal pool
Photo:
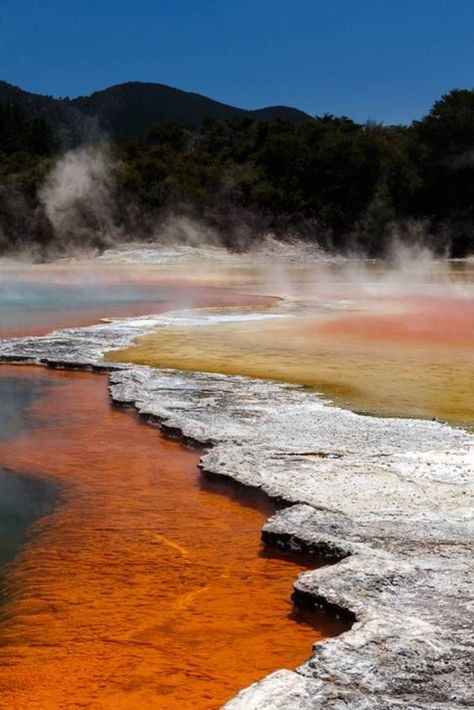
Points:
(132, 580)
(37, 299)
(370, 338)
(127, 581)
(146, 585)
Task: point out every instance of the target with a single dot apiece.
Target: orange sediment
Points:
(420, 321)
(145, 588)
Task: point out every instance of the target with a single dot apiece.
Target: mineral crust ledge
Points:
(390, 498)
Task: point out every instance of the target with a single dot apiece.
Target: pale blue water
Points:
(25, 305)
(25, 497)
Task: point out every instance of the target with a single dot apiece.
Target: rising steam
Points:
(78, 200)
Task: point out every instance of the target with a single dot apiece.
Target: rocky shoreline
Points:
(388, 500)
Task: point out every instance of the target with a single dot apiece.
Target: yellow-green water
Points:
(385, 347)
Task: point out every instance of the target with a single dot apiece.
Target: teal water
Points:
(16, 395)
(24, 498)
(24, 304)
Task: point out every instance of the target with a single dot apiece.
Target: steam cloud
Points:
(78, 210)
(79, 202)
(77, 198)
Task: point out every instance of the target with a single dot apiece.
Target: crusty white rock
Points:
(390, 498)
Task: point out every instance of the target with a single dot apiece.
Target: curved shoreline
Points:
(408, 552)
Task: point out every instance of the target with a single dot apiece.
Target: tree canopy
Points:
(328, 179)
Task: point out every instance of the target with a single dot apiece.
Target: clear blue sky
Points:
(386, 60)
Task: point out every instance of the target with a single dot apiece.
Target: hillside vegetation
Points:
(350, 187)
(130, 110)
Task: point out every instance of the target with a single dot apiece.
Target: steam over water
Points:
(38, 299)
(116, 591)
(127, 578)
(394, 339)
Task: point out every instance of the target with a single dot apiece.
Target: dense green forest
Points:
(347, 186)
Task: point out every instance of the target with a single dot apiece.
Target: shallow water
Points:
(35, 300)
(145, 585)
(145, 588)
(131, 581)
(23, 498)
(367, 339)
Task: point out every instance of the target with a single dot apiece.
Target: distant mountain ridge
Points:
(131, 109)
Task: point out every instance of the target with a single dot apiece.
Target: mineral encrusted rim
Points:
(392, 495)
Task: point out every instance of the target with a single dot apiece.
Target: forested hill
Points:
(55, 113)
(350, 187)
(130, 110)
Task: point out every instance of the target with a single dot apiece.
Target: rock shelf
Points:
(389, 501)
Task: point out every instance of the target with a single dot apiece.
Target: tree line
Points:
(346, 185)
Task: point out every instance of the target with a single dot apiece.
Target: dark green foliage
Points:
(131, 109)
(319, 177)
(345, 185)
(20, 133)
(446, 155)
